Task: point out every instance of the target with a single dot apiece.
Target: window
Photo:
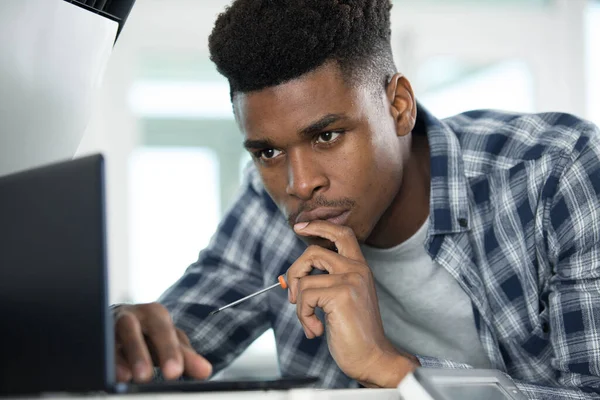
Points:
(174, 210)
(505, 86)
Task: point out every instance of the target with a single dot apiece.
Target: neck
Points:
(410, 207)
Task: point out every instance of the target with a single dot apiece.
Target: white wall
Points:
(550, 40)
(113, 131)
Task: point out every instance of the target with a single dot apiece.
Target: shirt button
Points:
(463, 222)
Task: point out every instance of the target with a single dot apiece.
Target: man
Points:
(470, 241)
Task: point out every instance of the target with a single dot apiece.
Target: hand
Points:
(145, 336)
(348, 298)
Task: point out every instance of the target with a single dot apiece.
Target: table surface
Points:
(294, 394)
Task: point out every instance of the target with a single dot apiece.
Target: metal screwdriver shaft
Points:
(281, 283)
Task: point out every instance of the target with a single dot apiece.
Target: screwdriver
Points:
(281, 283)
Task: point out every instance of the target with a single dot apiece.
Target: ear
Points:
(403, 105)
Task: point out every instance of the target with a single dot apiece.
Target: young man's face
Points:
(325, 150)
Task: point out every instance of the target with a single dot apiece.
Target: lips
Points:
(336, 216)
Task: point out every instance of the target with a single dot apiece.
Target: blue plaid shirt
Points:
(514, 218)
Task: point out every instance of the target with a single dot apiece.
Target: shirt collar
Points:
(449, 202)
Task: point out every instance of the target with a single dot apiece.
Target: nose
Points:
(305, 176)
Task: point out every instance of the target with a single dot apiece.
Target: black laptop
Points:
(56, 331)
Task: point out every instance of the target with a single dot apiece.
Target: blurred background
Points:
(174, 153)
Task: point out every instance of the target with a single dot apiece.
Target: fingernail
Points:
(208, 366)
(140, 370)
(172, 368)
(123, 373)
(300, 225)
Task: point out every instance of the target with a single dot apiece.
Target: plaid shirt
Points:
(514, 218)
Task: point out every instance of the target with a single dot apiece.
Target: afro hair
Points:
(262, 43)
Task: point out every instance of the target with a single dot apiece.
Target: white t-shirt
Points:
(424, 310)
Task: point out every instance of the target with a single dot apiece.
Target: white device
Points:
(52, 57)
(458, 384)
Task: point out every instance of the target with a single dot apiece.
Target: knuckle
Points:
(120, 311)
(126, 321)
(302, 284)
(353, 278)
(301, 303)
(157, 314)
(158, 310)
(299, 310)
(346, 232)
(312, 250)
(294, 268)
(366, 274)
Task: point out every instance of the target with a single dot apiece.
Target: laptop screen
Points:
(53, 287)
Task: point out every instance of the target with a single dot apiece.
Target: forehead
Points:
(295, 104)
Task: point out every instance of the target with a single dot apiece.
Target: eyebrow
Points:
(258, 144)
(307, 132)
(318, 126)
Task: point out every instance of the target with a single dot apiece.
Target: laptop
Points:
(56, 333)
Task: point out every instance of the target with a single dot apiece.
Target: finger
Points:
(314, 282)
(338, 299)
(163, 339)
(342, 236)
(308, 300)
(129, 335)
(182, 337)
(122, 369)
(313, 257)
(195, 366)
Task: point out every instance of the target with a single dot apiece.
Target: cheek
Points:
(380, 170)
(377, 162)
(364, 167)
(275, 184)
(387, 174)
(388, 158)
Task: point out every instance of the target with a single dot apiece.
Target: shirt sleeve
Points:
(572, 226)
(227, 270)
(571, 201)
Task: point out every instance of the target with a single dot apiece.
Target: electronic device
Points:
(57, 331)
(458, 384)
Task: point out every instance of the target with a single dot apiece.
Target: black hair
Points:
(262, 43)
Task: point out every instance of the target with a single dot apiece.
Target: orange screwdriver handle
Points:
(282, 282)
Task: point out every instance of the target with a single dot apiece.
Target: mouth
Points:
(335, 216)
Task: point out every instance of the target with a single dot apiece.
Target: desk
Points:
(294, 394)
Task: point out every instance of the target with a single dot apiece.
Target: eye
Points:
(267, 154)
(326, 137)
